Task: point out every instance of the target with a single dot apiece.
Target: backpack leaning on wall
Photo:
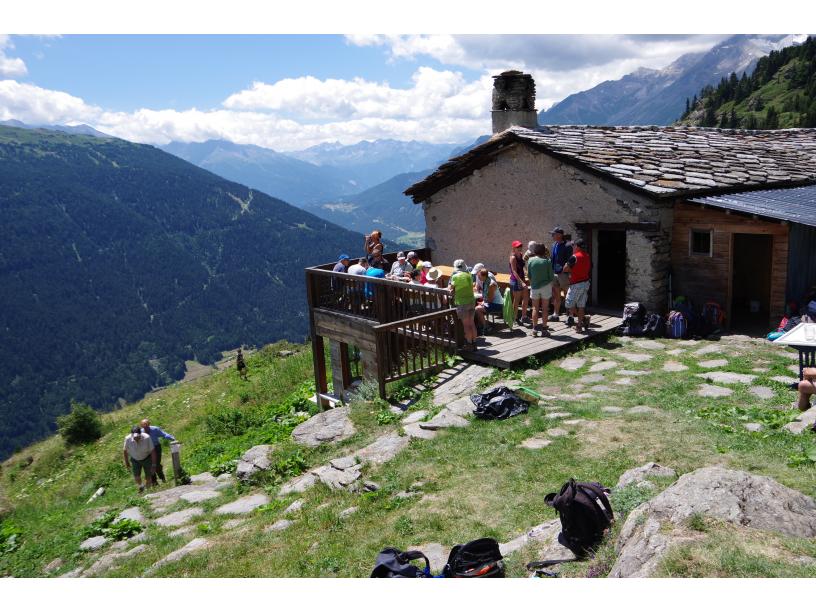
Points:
(394, 563)
(634, 316)
(713, 317)
(676, 325)
(585, 514)
(477, 559)
(655, 326)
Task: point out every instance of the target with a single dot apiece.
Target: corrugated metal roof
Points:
(795, 204)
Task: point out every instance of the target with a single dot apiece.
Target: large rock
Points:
(741, 498)
(256, 459)
(640, 474)
(326, 427)
(243, 505)
(446, 418)
(383, 448)
(338, 477)
(803, 421)
(161, 500)
(298, 484)
(459, 383)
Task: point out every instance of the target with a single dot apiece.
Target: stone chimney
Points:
(513, 101)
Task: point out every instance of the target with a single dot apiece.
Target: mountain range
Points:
(120, 261)
(657, 97)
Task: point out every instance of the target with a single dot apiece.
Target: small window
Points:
(700, 242)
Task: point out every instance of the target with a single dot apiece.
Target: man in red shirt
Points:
(579, 268)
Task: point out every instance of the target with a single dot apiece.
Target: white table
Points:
(798, 339)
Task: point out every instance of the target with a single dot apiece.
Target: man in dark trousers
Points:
(560, 253)
(241, 365)
(140, 457)
(580, 270)
(156, 434)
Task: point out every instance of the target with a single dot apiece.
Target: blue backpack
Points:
(676, 325)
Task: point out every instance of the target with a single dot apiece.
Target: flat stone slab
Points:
(558, 415)
(649, 345)
(205, 481)
(175, 519)
(760, 370)
(93, 543)
(133, 514)
(634, 357)
(182, 531)
(728, 378)
(675, 352)
(202, 478)
(446, 418)
(571, 364)
(335, 478)
(641, 410)
(195, 497)
(574, 421)
(535, 443)
(347, 512)
(383, 448)
(464, 381)
(624, 382)
(601, 366)
(785, 380)
(325, 427)
(461, 407)
(754, 426)
(688, 342)
(602, 388)
(233, 523)
(414, 417)
(192, 546)
(415, 431)
(279, 525)
(707, 350)
(244, 505)
(674, 366)
(344, 463)
(591, 378)
(762, 392)
(611, 409)
(713, 391)
(299, 484)
(633, 372)
(108, 561)
(295, 506)
(557, 432)
(803, 421)
(713, 363)
(640, 474)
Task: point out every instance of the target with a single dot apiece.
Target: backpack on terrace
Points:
(394, 563)
(655, 326)
(585, 514)
(713, 317)
(676, 325)
(477, 559)
(634, 316)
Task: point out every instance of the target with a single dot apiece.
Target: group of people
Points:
(541, 274)
(142, 453)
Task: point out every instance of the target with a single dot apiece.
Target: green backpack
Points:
(507, 313)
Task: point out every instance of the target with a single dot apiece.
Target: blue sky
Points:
(292, 91)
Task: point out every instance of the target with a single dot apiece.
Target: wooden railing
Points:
(416, 345)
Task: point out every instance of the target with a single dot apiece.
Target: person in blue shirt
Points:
(374, 272)
(560, 253)
(156, 433)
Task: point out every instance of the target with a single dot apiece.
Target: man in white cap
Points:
(461, 287)
(400, 267)
(426, 266)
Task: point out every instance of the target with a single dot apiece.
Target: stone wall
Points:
(523, 194)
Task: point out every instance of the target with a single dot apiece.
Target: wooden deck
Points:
(503, 348)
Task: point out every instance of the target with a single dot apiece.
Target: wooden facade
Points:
(710, 277)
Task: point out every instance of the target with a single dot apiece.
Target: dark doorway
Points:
(751, 282)
(610, 262)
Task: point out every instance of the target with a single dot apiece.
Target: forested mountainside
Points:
(120, 261)
(779, 93)
(656, 97)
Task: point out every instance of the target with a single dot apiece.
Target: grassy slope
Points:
(478, 482)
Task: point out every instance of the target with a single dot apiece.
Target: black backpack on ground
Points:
(477, 559)
(655, 326)
(393, 563)
(634, 317)
(585, 514)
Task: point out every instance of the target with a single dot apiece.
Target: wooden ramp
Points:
(503, 348)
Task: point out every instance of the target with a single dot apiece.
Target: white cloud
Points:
(10, 66)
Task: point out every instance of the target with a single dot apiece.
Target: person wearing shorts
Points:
(561, 252)
(140, 456)
(461, 287)
(539, 269)
(579, 268)
(518, 284)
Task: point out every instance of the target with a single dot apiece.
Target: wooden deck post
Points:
(341, 373)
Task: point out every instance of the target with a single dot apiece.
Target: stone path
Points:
(728, 378)
(713, 391)
(762, 392)
(713, 363)
(459, 381)
(603, 365)
(325, 427)
(571, 364)
(181, 517)
(243, 505)
(674, 366)
(634, 357)
(633, 372)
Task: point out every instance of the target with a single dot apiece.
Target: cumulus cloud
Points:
(10, 66)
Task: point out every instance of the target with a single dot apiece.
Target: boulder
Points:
(458, 383)
(325, 427)
(741, 498)
(335, 478)
(557, 432)
(649, 345)
(640, 474)
(713, 363)
(256, 459)
(383, 448)
(803, 421)
(298, 484)
(611, 409)
(108, 561)
(545, 536)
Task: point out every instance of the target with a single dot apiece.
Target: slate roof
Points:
(797, 204)
(673, 161)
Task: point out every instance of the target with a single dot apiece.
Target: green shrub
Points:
(9, 537)
(81, 426)
(107, 525)
(228, 421)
